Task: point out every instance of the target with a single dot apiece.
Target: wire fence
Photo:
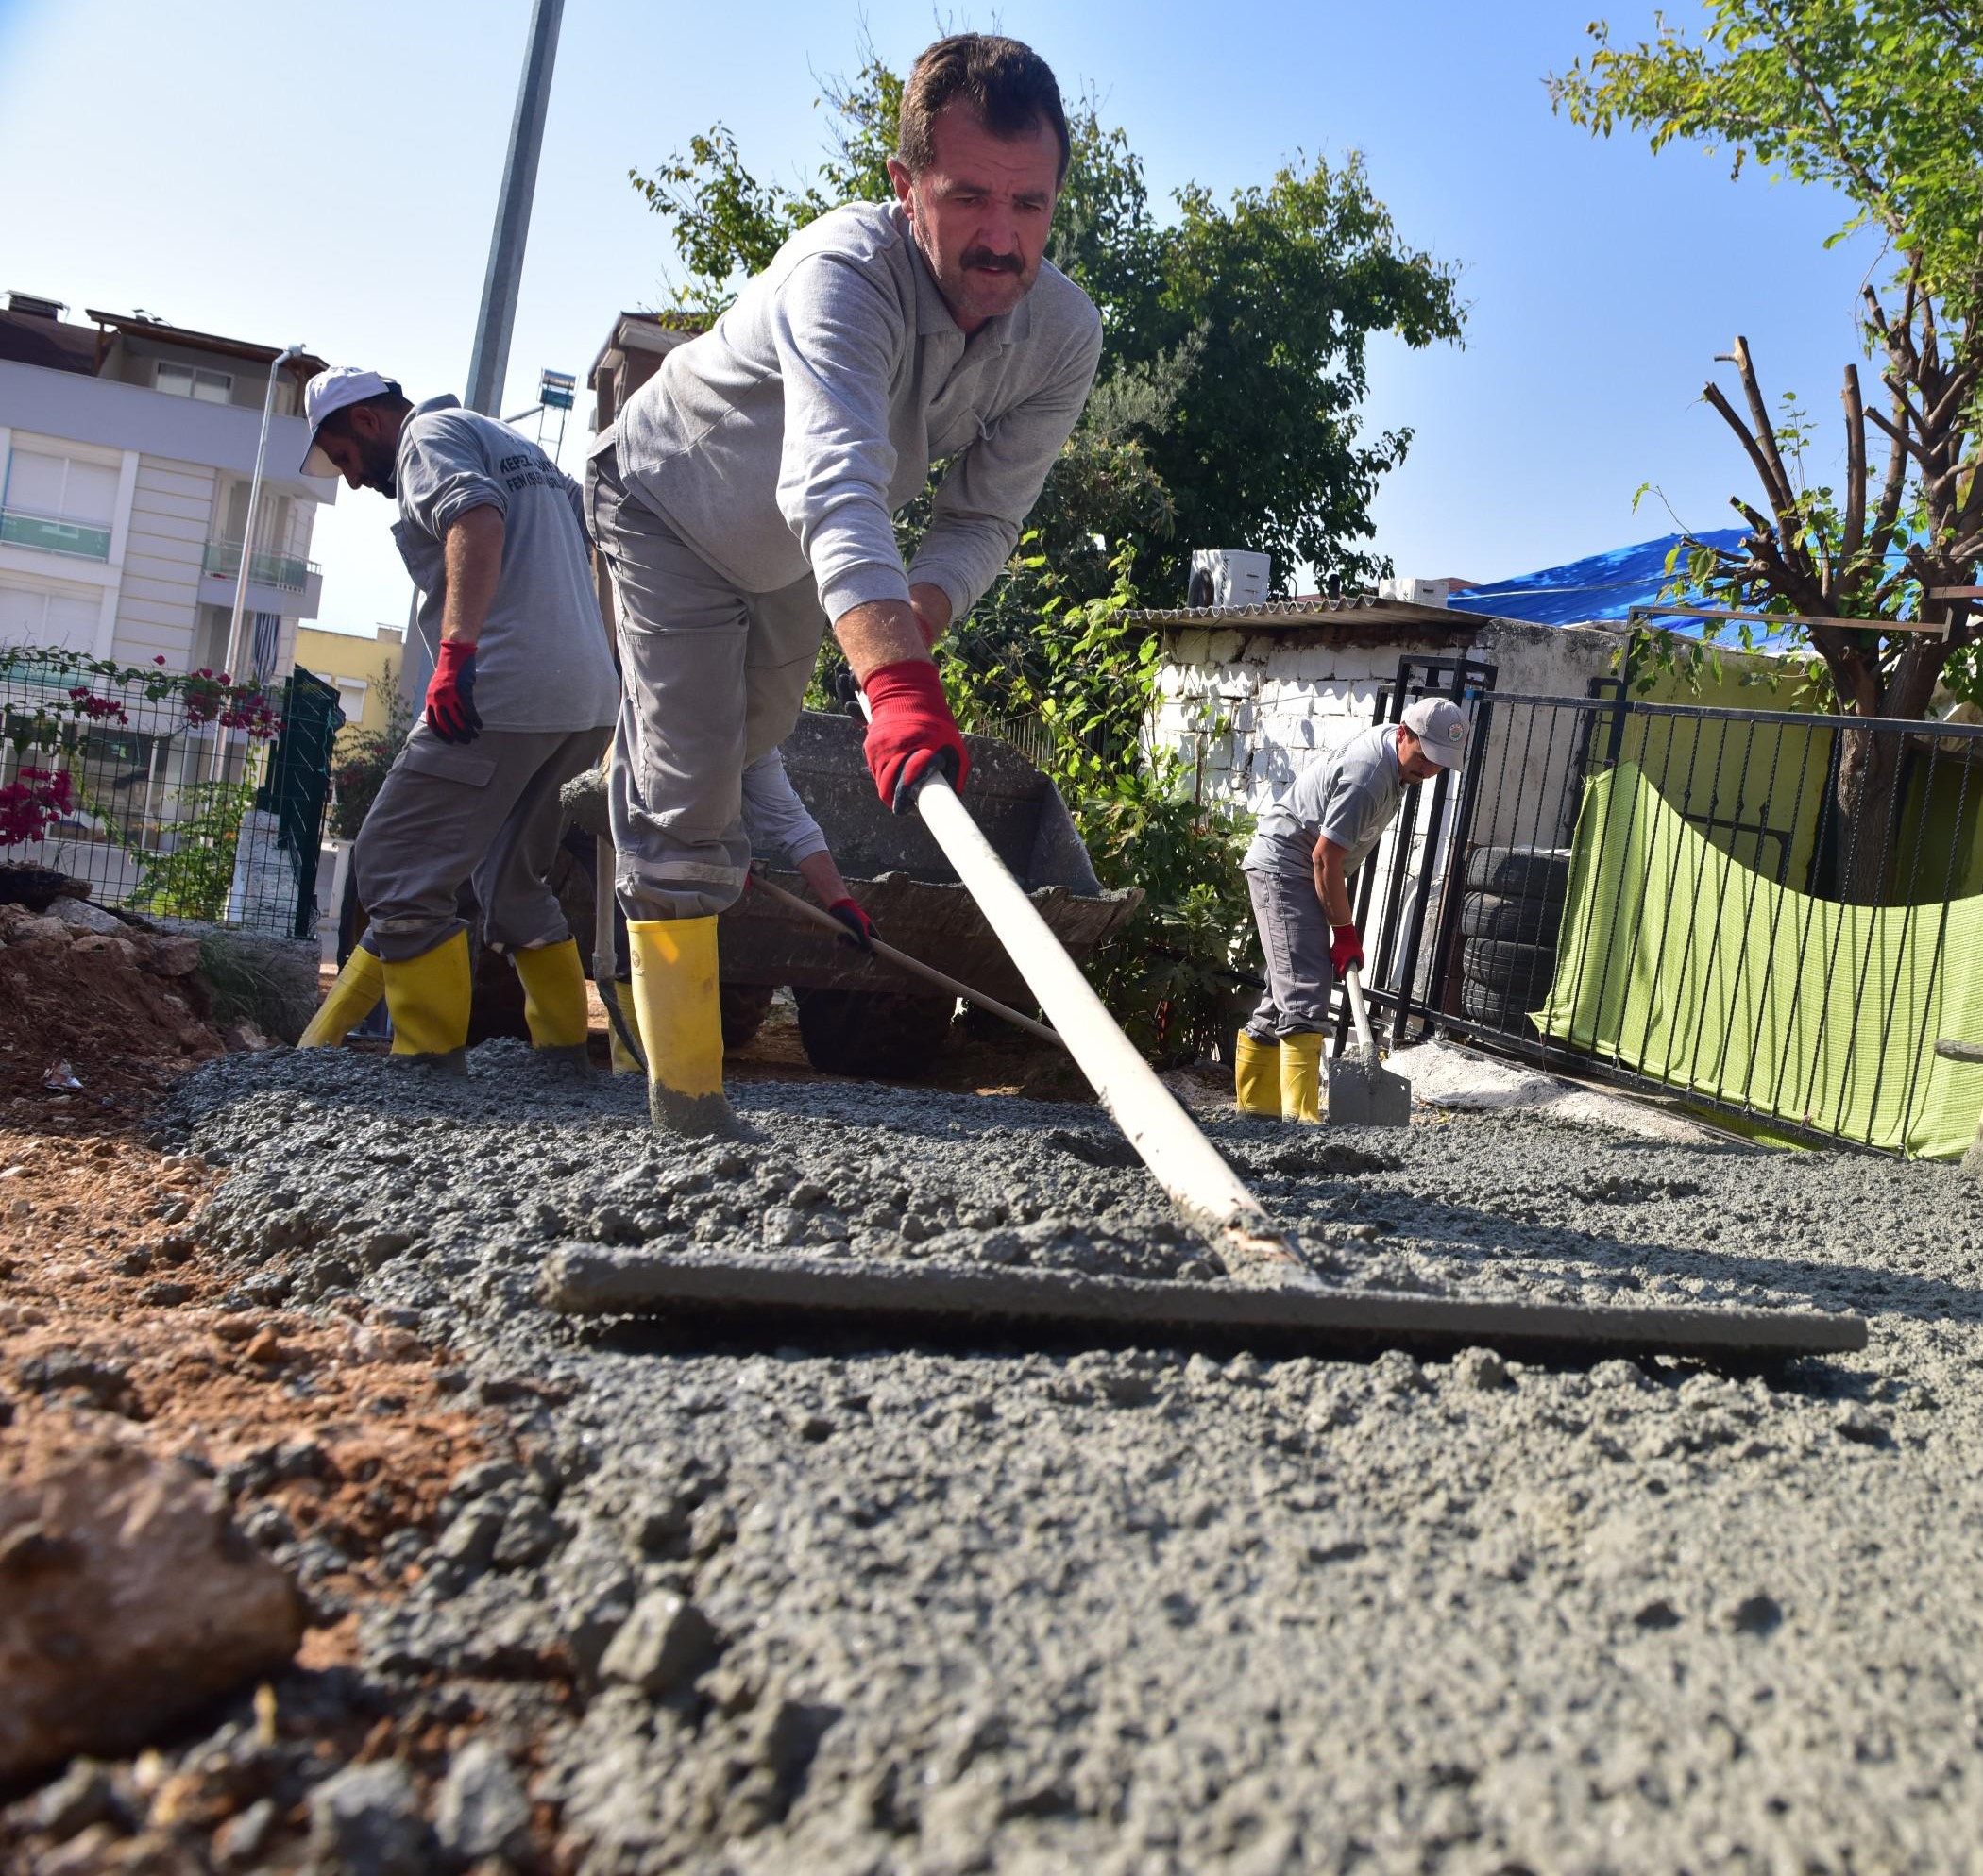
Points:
(1774, 915)
(176, 796)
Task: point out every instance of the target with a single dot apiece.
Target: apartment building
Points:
(126, 450)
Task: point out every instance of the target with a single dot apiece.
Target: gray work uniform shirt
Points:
(775, 816)
(786, 438)
(543, 661)
(1349, 797)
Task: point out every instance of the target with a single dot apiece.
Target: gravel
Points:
(854, 1606)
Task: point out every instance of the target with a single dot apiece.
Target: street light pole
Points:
(248, 545)
(489, 360)
(488, 363)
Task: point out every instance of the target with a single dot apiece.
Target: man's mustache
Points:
(991, 262)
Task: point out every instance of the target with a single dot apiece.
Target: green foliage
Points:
(1092, 680)
(1878, 99)
(193, 880)
(1169, 976)
(1285, 286)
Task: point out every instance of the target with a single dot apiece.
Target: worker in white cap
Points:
(523, 693)
(1307, 845)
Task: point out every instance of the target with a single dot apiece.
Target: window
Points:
(60, 488)
(42, 619)
(350, 694)
(189, 381)
(58, 504)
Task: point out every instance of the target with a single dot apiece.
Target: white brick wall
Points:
(1247, 712)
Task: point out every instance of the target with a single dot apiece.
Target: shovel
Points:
(1361, 1092)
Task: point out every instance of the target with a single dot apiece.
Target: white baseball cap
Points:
(1440, 728)
(335, 388)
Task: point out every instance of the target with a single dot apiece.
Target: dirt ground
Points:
(337, 1437)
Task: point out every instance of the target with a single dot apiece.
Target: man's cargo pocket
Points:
(450, 762)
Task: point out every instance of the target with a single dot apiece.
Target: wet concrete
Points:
(1138, 1609)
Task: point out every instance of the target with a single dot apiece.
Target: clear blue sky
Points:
(329, 174)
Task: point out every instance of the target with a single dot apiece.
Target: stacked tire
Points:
(1509, 921)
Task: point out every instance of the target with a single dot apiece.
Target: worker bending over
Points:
(776, 821)
(523, 691)
(1298, 869)
(744, 501)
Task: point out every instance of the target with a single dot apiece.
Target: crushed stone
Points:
(1142, 1609)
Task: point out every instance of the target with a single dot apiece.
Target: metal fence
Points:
(1769, 914)
(168, 796)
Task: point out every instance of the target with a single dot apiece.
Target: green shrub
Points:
(194, 879)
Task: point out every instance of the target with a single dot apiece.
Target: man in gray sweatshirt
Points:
(744, 501)
(522, 692)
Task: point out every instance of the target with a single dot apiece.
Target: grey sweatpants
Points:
(1294, 937)
(711, 678)
(486, 812)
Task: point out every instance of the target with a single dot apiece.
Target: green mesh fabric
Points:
(1681, 963)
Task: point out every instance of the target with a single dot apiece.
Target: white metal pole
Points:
(247, 544)
(1207, 1191)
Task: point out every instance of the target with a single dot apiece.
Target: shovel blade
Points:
(1362, 1094)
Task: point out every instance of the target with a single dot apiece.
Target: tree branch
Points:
(1783, 496)
(1899, 433)
(1855, 467)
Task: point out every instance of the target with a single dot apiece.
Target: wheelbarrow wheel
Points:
(878, 1035)
(743, 1008)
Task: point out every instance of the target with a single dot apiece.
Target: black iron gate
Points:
(1752, 909)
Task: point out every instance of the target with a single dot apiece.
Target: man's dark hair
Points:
(1008, 84)
(392, 400)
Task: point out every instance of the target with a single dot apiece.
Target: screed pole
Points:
(1209, 1193)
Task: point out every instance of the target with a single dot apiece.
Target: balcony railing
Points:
(264, 570)
(37, 531)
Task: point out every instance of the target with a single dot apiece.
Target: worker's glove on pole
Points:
(860, 928)
(450, 694)
(1345, 950)
(910, 732)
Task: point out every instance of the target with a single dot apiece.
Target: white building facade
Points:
(127, 452)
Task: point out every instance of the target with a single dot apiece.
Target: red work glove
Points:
(450, 694)
(910, 732)
(860, 928)
(1345, 950)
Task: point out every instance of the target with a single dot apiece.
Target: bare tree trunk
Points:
(1868, 804)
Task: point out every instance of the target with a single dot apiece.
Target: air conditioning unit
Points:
(1229, 577)
(1416, 592)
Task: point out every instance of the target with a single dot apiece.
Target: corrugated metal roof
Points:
(1358, 609)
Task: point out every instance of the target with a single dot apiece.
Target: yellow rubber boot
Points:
(353, 997)
(554, 997)
(1301, 1078)
(623, 1059)
(1256, 1076)
(428, 997)
(681, 1026)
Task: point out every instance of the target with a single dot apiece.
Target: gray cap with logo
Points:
(1441, 730)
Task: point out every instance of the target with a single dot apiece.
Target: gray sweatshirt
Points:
(774, 815)
(1350, 796)
(787, 436)
(543, 662)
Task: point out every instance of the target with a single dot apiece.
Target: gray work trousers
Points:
(1294, 937)
(485, 812)
(711, 678)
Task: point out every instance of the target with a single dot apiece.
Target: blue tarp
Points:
(1601, 587)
